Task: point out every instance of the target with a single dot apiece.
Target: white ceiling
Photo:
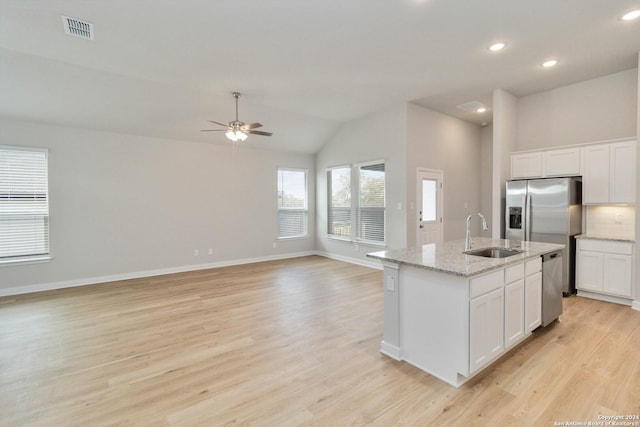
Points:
(162, 68)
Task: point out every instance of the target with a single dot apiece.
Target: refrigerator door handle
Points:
(523, 220)
(527, 228)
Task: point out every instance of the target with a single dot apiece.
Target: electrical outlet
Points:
(391, 283)
(210, 251)
(618, 218)
(274, 245)
(196, 252)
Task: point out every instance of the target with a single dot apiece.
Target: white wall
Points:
(593, 110)
(505, 125)
(439, 141)
(379, 136)
(126, 205)
(486, 174)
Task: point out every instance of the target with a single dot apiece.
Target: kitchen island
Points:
(451, 313)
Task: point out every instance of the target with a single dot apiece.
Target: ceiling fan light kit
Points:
(237, 130)
(236, 135)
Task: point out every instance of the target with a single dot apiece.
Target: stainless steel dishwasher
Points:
(551, 287)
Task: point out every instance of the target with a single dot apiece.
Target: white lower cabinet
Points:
(454, 326)
(605, 267)
(522, 301)
(533, 300)
(617, 274)
(590, 274)
(514, 312)
(504, 307)
(486, 322)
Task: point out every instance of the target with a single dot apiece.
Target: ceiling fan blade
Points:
(213, 130)
(218, 123)
(251, 126)
(259, 132)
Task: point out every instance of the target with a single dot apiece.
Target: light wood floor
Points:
(286, 343)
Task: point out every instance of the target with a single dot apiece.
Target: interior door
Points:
(429, 198)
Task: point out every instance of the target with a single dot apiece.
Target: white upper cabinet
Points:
(595, 181)
(561, 162)
(609, 174)
(547, 163)
(622, 160)
(526, 165)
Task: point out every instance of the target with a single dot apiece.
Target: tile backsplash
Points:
(612, 221)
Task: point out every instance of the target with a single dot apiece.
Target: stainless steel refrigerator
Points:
(550, 211)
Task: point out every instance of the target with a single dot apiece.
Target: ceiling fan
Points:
(237, 130)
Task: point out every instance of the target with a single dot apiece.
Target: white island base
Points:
(454, 326)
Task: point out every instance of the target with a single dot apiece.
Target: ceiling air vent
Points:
(77, 27)
(470, 106)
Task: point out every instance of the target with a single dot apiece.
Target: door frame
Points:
(439, 173)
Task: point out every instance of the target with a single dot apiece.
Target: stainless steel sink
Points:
(493, 252)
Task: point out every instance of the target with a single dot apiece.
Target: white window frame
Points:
(306, 204)
(39, 257)
(355, 204)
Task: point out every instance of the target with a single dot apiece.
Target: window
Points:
(339, 191)
(292, 203)
(371, 207)
(24, 204)
(364, 218)
(429, 199)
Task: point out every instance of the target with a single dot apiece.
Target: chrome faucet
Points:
(467, 241)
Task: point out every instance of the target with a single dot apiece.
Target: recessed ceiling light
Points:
(549, 63)
(481, 110)
(497, 46)
(629, 16)
(471, 106)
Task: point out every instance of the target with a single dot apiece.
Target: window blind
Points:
(371, 203)
(24, 203)
(292, 203)
(339, 192)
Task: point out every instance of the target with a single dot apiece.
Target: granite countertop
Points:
(603, 237)
(449, 258)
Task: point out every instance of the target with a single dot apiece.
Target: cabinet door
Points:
(622, 187)
(526, 165)
(595, 181)
(562, 162)
(589, 271)
(513, 313)
(617, 274)
(533, 302)
(486, 328)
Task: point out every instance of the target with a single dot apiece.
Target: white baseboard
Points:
(604, 297)
(636, 305)
(139, 274)
(390, 350)
(371, 264)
